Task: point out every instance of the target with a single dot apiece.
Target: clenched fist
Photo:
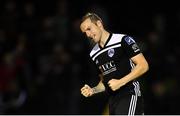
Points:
(86, 91)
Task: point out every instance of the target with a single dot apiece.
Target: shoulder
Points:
(128, 39)
(94, 50)
(115, 39)
(121, 37)
(118, 35)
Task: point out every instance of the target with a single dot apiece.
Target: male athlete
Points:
(120, 62)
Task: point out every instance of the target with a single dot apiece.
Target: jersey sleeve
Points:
(130, 46)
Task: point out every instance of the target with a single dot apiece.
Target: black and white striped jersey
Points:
(114, 59)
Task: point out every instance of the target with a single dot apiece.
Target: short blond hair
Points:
(92, 16)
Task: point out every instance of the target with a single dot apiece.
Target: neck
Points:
(105, 36)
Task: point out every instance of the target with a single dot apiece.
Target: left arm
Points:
(141, 66)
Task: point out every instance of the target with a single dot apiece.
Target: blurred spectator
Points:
(13, 82)
(9, 18)
(41, 49)
(61, 21)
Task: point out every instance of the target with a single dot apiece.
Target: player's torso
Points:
(114, 62)
(111, 60)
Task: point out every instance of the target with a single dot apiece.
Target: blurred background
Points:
(44, 58)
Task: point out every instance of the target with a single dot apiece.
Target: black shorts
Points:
(126, 104)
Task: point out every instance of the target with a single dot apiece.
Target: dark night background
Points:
(45, 59)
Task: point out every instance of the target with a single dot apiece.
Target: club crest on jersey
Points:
(129, 40)
(111, 52)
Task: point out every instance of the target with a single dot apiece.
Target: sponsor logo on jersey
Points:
(111, 52)
(129, 40)
(108, 67)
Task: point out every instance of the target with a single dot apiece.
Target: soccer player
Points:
(120, 62)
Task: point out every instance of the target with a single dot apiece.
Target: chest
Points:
(110, 60)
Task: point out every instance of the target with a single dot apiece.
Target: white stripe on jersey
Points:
(116, 38)
(95, 50)
(135, 83)
(137, 88)
(133, 103)
(104, 50)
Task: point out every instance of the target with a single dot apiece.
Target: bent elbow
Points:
(145, 67)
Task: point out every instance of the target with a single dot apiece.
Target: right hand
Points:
(86, 91)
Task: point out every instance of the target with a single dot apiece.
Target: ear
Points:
(99, 23)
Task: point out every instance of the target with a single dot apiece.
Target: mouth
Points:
(92, 37)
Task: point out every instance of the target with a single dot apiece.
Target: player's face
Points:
(91, 30)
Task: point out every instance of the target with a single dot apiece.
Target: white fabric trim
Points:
(104, 50)
(132, 107)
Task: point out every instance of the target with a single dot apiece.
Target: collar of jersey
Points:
(110, 35)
